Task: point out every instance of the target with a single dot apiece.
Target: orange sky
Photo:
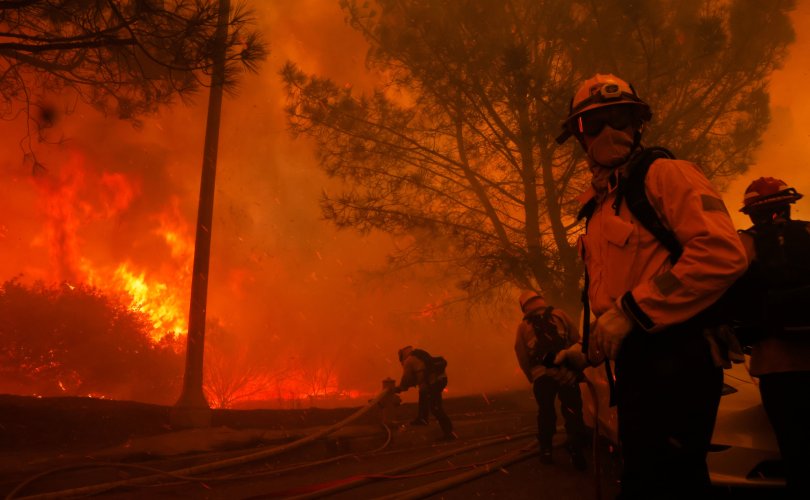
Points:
(785, 152)
(282, 280)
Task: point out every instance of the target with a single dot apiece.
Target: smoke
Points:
(285, 286)
(785, 152)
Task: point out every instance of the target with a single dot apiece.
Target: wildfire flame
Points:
(158, 300)
(76, 200)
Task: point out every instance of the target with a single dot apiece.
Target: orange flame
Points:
(158, 300)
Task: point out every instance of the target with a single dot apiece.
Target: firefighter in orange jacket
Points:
(416, 372)
(648, 308)
(544, 331)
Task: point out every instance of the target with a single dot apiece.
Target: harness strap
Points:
(587, 212)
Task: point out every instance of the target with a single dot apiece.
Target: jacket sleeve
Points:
(522, 353)
(713, 255)
(409, 375)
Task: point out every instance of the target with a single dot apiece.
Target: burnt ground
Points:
(73, 424)
(46, 434)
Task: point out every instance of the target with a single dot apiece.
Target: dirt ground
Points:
(75, 424)
(44, 433)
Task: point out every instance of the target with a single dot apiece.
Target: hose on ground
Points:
(445, 484)
(189, 471)
(318, 491)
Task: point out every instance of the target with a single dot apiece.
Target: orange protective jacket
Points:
(627, 265)
(526, 339)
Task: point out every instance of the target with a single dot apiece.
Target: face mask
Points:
(611, 148)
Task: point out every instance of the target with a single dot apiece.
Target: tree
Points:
(76, 341)
(456, 147)
(124, 57)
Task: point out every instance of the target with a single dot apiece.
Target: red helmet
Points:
(597, 92)
(767, 191)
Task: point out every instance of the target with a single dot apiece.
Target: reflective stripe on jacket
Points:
(622, 256)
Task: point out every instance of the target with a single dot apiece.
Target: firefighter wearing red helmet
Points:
(778, 324)
(768, 195)
(659, 250)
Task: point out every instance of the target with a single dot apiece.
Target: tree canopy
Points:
(456, 146)
(124, 57)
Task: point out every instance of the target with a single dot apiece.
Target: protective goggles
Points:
(617, 117)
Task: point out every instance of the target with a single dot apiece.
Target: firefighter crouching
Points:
(779, 320)
(543, 332)
(428, 373)
(651, 289)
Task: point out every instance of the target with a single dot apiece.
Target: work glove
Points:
(569, 365)
(610, 330)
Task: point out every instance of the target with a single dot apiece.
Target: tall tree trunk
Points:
(191, 409)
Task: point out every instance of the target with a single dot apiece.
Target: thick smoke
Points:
(286, 288)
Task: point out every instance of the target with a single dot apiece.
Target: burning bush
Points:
(66, 340)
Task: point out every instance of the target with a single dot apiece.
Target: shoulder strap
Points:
(587, 211)
(636, 197)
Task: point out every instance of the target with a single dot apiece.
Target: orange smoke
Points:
(785, 152)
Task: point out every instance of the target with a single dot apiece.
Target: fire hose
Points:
(509, 459)
(444, 484)
(323, 490)
(190, 471)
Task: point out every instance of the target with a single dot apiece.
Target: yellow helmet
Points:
(597, 92)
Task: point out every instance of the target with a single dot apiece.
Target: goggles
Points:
(617, 117)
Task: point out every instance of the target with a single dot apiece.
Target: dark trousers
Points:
(667, 394)
(424, 410)
(546, 390)
(786, 401)
(430, 400)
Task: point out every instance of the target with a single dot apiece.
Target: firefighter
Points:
(543, 332)
(420, 369)
(780, 270)
(650, 288)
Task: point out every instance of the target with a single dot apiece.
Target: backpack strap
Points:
(424, 357)
(635, 195)
(587, 212)
(547, 313)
